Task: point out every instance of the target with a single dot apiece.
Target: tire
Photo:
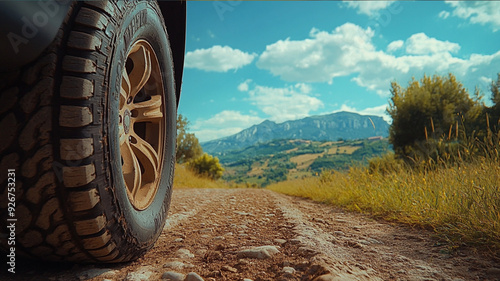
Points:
(89, 128)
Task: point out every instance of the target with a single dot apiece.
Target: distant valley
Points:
(278, 160)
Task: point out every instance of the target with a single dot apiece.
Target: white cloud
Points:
(319, 58)
(218, 58)
(376, 111)
(282, 104)
(481, 12)
(349, 51)
(303, 88)
(395, 45)
(444, 14)
(222, 124)
(243, 87)
(369, 8)
(421, 44)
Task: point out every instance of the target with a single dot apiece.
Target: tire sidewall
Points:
(144, 226)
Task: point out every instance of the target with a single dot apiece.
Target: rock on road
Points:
(256, 234)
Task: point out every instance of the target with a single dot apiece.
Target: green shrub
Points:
(207, 165)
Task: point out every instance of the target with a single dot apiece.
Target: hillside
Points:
(331, 127)
(279, 160)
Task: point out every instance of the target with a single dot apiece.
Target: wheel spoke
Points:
(131, 169)
(125, 89)
(141, 129)
(142, 69)
(149, 110)
(147, 156)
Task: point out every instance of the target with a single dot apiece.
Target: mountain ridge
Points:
(329, 127)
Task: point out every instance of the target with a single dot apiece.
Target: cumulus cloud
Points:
(243, 87)
(481, 12)
(395, 45)
(218, 58)
(421, 44)
(287, 103)
(319, 58)
(222, 124)
(369, 8)
(349, 51)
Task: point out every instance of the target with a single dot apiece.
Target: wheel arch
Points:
(174, 14)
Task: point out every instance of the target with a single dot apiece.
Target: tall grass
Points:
(460, 201)
(186, 178)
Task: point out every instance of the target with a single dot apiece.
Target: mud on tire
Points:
(89, 128)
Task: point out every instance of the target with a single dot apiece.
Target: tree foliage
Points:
(494, 111)
(432, 108)
(207, 165)
(188, 146)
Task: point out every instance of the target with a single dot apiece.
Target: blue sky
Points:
(250, 61)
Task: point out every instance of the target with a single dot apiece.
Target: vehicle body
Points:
(88, 105)
(30, 26)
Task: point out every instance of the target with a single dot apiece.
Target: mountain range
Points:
(330, 127)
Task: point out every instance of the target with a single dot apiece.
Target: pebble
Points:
(172, 276)
(193, 277)
(373, 241)
(262, 252)
(184, 254)
(178, 240)
(305, 251)
(229, 268)
(289, 270)
(177, 265)
(142, 274)
(280, 241)
(94, 272)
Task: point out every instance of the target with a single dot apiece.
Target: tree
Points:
(429, 109)
(494, 111)
(207, 165)
(188, 146)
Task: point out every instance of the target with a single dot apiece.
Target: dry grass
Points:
(461, 203)
(257, 169)
(185, 178)
(305, 160)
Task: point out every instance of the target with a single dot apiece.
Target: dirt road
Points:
(252, 234)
